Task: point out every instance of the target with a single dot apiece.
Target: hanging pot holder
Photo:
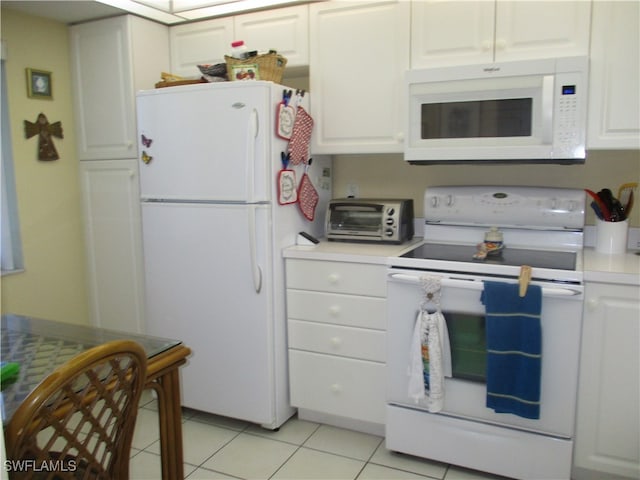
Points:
(300, 136)
(285, 116)
(307, 196)
(287, 187)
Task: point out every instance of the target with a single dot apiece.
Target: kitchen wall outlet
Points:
(352, 190)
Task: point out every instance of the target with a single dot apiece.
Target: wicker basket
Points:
(270, 66)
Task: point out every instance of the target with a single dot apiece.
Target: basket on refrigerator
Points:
(270, 66)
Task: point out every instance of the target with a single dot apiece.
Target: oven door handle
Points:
(478, 285)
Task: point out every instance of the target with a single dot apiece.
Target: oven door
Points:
(465, 392)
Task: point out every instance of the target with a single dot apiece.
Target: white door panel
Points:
(200, 290)
(204, 142)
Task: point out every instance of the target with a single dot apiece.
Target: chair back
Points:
(79, 421)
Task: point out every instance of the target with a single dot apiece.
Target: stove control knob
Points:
(553, 203)
(572, 206)
(435, 201)
(450, 200)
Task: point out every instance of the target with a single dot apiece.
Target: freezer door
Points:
(201, 289)
(205, 143)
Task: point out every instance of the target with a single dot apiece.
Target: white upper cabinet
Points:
(199, 43)
(614, 99)
(359, 53)
(111, 60)
(284, 30)
(451, 32)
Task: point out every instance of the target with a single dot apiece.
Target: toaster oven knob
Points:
(389, 232)
(391, 211)
(389, 221)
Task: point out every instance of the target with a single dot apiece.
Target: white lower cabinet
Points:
(337, 338)
(338, 386)
(608, 421)
(111, 203)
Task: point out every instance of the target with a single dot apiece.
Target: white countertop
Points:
(623, 268)
(598, 267)
(375, 253)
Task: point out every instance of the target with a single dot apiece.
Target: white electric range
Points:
(542, 229)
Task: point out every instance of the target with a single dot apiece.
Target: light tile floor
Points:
(221, 448)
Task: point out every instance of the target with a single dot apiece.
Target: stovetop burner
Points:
(508, 256)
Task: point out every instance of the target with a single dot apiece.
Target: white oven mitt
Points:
(300, 136)
(307, 197)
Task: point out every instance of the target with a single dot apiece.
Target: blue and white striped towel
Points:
(514, 348)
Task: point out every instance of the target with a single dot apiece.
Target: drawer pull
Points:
(336, 388)
(336, 342)
(334, 278)
(334, 310)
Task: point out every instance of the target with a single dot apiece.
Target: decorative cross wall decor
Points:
(45, 132)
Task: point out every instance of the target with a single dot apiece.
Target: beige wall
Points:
(53, 284)
(390, 176)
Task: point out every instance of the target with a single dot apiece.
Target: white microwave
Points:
(516, 112)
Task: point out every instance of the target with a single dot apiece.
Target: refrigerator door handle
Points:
(251, 154)
(256, 271)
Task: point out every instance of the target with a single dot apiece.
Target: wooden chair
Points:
(79, 421)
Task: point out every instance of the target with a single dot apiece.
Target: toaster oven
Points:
(370, 220)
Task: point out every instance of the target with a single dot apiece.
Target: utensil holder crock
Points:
(611, 237)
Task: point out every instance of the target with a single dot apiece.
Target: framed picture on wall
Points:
(39, 84)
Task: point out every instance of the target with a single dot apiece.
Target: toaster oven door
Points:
(352, 220)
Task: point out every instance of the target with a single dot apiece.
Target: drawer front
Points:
(338, 340)
(335, 308)
(338, 386)
(339, 277)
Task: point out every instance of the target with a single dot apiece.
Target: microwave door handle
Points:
(547, 109)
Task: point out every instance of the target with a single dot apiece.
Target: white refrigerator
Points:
(213, 234)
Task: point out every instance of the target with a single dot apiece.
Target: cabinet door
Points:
(607, 435)
(345, 387)
(285, 30)
(104, 93)
(359, 52)
(199, 43)
(114, 248)
(614, 100)
(535, 29)
(445, 33)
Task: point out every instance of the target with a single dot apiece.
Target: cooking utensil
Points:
(626, 194)
(602, 207)
(625, 188)
(597, 210)
(616, 211)
(628, 205)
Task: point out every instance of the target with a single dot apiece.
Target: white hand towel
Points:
(434, 323)
(416, 367)
(430, 332)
